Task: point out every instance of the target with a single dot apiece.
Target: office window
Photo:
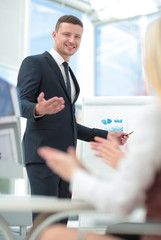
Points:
(9, 74)
(119, 57)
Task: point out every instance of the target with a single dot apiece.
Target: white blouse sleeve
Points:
(135, 174)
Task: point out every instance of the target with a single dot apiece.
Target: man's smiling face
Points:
(67, 39)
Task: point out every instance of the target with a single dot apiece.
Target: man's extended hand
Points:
(118, 136)
(51, 106)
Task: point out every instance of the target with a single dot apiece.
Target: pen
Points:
(129, 133)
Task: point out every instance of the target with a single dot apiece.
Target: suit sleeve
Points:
(88, 134)
(28, 84)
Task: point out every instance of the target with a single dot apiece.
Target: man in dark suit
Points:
(49, 107)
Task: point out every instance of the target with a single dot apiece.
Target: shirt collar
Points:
(59, 60)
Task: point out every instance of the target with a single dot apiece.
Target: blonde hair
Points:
(153, 56)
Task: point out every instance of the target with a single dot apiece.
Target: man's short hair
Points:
(68, 19)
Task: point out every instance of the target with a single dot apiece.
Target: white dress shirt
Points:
(135, 174)
(59, 60)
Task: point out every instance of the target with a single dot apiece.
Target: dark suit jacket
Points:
(40, 73)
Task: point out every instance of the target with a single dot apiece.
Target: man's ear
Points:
(54, 34)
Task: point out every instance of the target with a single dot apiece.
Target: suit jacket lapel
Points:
(56, 68)
(77, 89)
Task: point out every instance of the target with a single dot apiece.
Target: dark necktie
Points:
(68, 80)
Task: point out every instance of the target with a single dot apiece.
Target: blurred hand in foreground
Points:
(109, 151)
(63, 164)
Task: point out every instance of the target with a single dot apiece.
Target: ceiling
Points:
(99, 11)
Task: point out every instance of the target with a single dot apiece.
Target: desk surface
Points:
(9, 203)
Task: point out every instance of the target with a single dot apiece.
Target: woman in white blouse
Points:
(136, 170)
